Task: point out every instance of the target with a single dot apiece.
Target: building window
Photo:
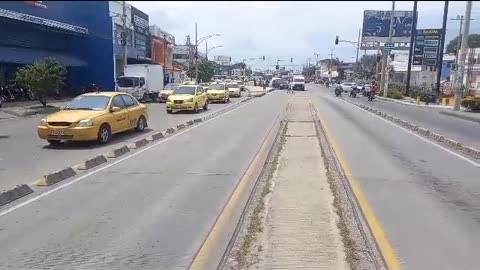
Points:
(140, 41)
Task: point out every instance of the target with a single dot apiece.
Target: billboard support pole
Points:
(442, 46)
(358, 43)
(410, 52)
(384, 81)
(462, 56)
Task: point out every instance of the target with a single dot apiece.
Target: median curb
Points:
(8, 196)
(56, 177)
(180, 127)
(93, 162)
(157, 136)
(138, 144)
(118, 152)
(198, 120)
(423, 131)
(190, 123)
(170, 131)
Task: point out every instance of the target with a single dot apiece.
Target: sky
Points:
(284, 29)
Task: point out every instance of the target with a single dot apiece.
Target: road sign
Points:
(389, 45)
(426, 48)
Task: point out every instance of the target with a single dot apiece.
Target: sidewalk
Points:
(21, 109)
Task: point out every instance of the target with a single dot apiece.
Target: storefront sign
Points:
(42, 21)
(140, 21)
(426, 48)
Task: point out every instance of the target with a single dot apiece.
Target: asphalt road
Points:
(24, 157)
(458, 129)
(150, 211)
(426, 199)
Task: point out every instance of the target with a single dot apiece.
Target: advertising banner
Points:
(376, 26)
(139, 21)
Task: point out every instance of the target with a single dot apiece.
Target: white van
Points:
(298, 82)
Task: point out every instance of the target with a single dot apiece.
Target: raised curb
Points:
(170, 131)
(190, 122)
(8, 196)
(118, 152)
(138, 144)
(198, 120)
(157, 136)
(93, 162)
(180, 127)
(56, 177)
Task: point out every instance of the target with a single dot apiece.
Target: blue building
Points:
(77, 33)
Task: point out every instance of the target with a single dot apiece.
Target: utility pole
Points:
(196, 53)
(442, 46)
(459, 42)
(358, 43)
(206, 49)
(384, 82)
(463, 54)
(410, 51)
(125, 35)
(316, 64)
(164, 57)
(330, 66)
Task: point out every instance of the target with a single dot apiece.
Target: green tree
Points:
(473, 42)
(206, 70)
(365, 68)
(42, 77)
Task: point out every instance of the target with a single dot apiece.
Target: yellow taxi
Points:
(167, 91)
(94, 116)
(242, 85)
(234, 89)
(218, 92)
(205, 86)
(187, 97)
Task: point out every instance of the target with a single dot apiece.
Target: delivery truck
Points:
(143, 81)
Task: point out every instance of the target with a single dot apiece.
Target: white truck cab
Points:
(143, 81)
(298, 82)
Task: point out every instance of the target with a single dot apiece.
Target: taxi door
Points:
(201, 95)
(120, 118)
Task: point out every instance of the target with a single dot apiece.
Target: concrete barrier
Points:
(56, 177)
(138, 144)
(170, 131)
(198, 120)
(471, 151)
(424, 131)
(190, 122)
(453, 143)
(180, 127)
(157, 136)
(118, 152)
(93, 162)
(8, 196)
(437, 137)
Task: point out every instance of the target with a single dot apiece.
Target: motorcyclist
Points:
(373, 89)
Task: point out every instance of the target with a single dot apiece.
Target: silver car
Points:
(348, 86)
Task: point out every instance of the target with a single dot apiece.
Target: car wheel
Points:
(169, 111)
(205, 106)
(141, 124)
(228, 99)
(54, 142)
(104, 134)
(195, 108)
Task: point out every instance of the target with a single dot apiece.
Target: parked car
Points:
(94, 116)
(187, 97)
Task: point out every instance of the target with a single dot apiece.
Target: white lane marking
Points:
(418, 136)
(29, 201)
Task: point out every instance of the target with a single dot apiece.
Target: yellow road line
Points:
(203, 255)
(379, 234)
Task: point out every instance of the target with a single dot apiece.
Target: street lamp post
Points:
(197, 42)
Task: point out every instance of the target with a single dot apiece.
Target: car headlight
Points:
(85, 123)
(43, 122)
(190, 100)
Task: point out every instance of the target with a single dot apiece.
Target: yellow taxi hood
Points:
(181, 97)
(215, 91)
(73, 115)
(166, 91)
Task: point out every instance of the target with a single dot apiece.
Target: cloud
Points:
(283, 29)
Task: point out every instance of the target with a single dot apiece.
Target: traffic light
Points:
(277, 67)
(230, 59)
(291, 60)
(263, 58)
(336, 40)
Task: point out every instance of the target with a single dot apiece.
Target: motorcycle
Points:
(338, 92)
(371, 96)
(353, 93)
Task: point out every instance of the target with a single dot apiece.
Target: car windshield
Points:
(128, 81)
(216, 87)
(185, 90)
(298, 80)
(171, 86)
(88, 102)
(232, 85)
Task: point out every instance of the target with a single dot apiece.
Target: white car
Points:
(348, 86)
(298, 82)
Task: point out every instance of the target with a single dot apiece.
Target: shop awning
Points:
(27, 56)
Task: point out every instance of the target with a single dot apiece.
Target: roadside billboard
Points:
(376, 26)
(221, 59)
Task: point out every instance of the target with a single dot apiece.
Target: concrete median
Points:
(118, 152)
(453, 143)
(56, 177)
(8, 196)
(180, 127)
(190, 123)
(437, 137)
(198, 120)
(138, 144)
(157, 136)
(93, 162)
(170, 131)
